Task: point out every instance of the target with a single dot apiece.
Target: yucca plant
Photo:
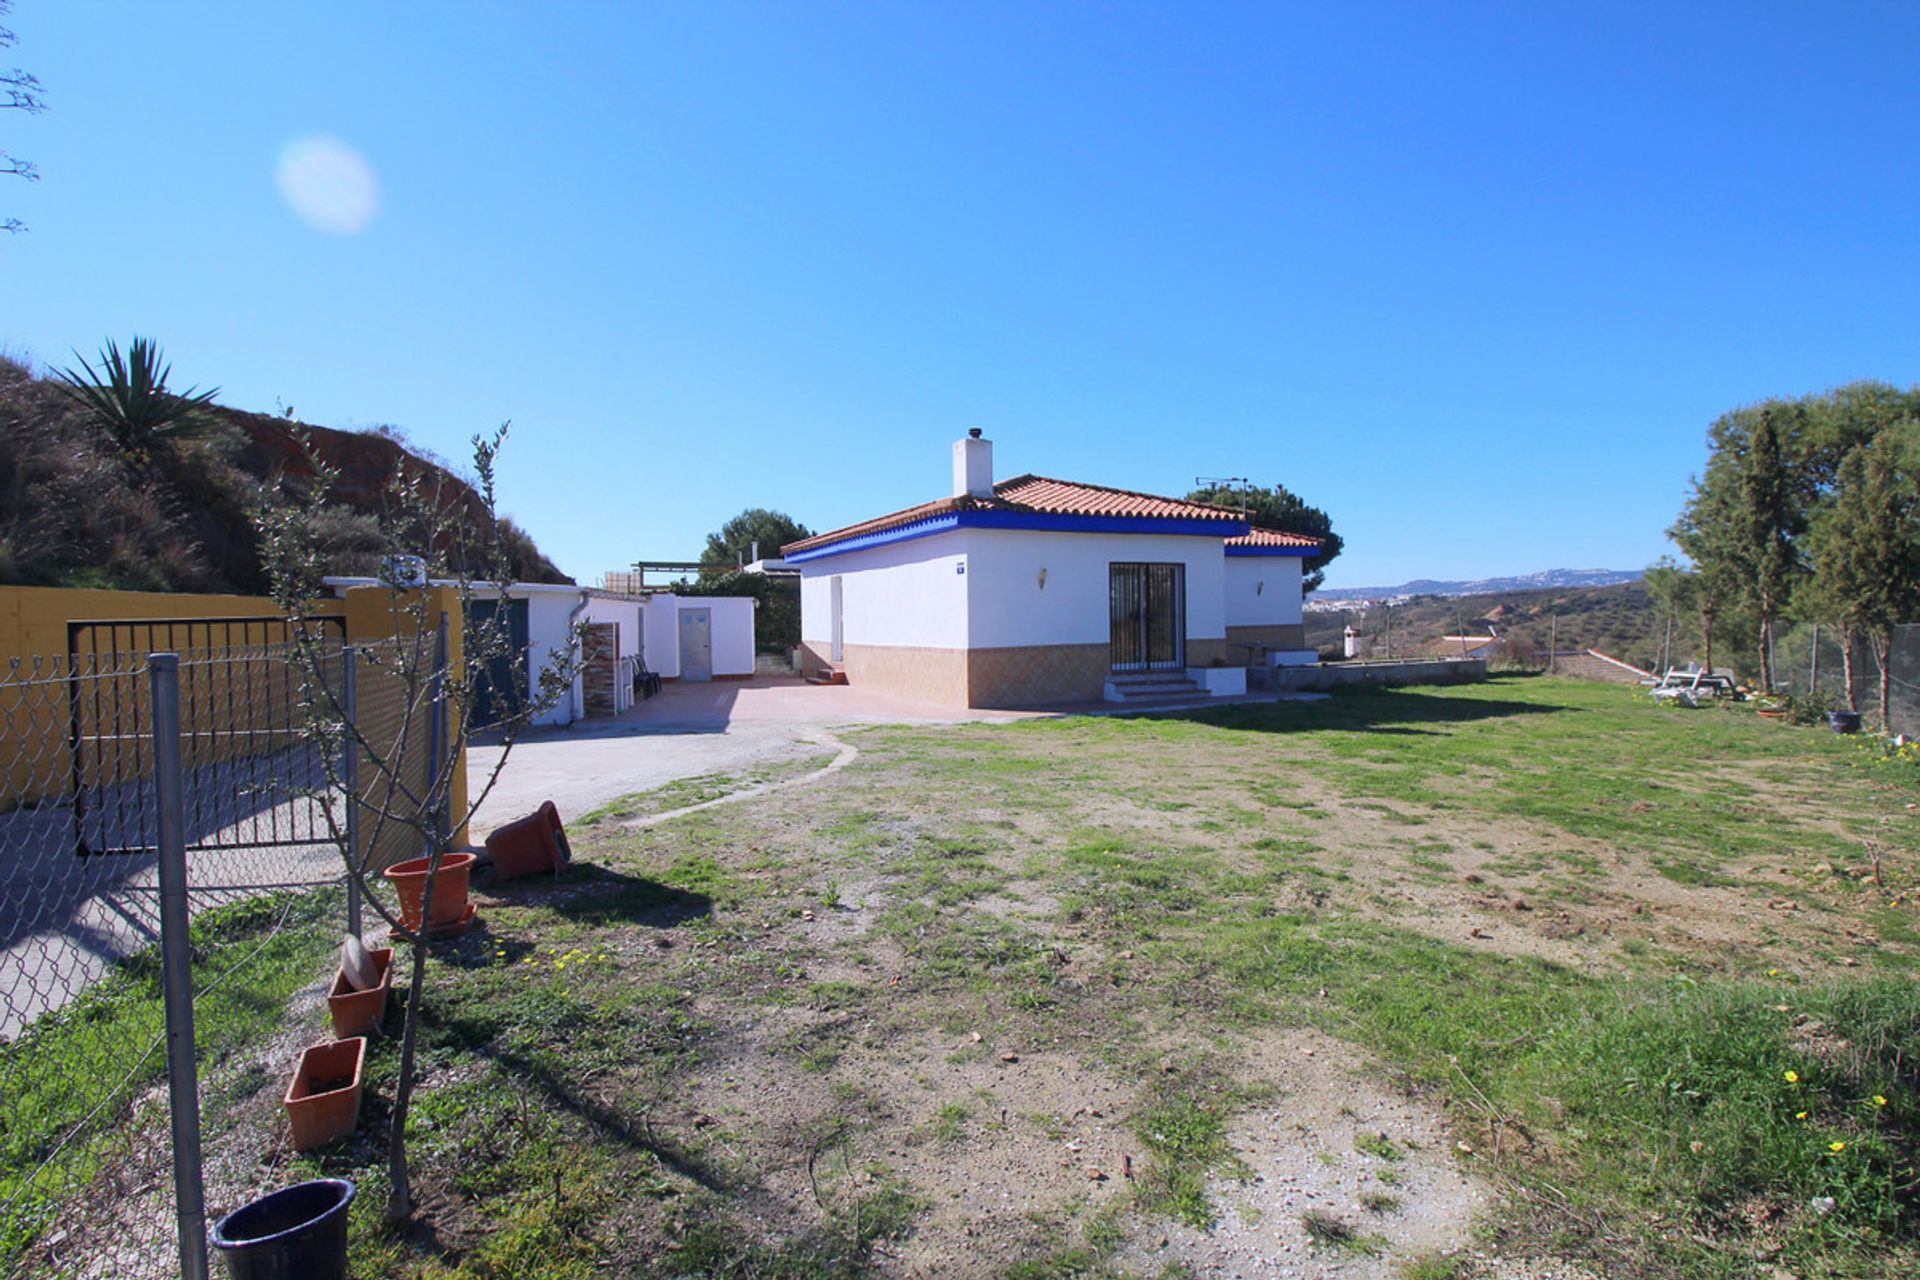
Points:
(129, 399)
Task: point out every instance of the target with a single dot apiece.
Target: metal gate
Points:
(502, 687)
(251, 782)
(1148, 617)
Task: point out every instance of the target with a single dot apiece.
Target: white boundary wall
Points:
(1263, 590)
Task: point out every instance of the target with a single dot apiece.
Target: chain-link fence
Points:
(1810, 661)
(107, 762)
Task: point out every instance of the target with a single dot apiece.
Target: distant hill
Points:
(1546, 578)
(1619, 620)
(74, 514)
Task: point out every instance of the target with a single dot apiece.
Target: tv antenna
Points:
(1215, 482)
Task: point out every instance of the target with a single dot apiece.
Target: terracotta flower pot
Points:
(524, 847)
(355, 1013)
(559, 832)
(449, 889)
(1774, 713)
(323, 1102)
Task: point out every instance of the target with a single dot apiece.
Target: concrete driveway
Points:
(724, 726)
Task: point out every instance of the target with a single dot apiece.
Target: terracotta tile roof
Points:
(1272, 538)
(1039, 495)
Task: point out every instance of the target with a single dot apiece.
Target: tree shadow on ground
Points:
(1388, 711)
(589, 893)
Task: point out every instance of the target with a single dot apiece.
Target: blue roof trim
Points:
(1273, 551)
(1030, 520)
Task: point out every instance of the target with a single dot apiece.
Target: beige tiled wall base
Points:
(1020, 676)
(1277, 635)
(925, 675)
(1207, 653)
(1037, 675)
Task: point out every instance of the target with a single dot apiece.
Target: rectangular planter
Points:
(323, 1102)
(356, 1013)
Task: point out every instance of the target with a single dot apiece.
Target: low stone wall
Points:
(1334, 675)
(1591, 664)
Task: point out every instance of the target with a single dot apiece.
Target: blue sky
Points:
(1473, 277)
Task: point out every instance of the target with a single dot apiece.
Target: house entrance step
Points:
(828, 675)
(1150, 686)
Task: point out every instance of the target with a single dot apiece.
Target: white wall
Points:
(547, 613)
(909, 593)
(732, 630)
(660, 630)
(1263, 590)
(625, 616)
(1009, 607)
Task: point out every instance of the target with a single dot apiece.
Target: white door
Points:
(839, 654)
(696, 644)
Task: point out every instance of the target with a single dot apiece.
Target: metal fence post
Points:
(350, 777)
(183, 1090)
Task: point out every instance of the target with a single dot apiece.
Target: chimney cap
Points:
(974, 432)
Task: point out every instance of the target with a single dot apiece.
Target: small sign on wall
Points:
(959, 566)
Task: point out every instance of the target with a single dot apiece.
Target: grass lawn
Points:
(1417, 983)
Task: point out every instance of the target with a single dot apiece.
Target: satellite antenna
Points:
(1214, 482)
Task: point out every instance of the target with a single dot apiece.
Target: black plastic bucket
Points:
(1844, 721)
(297, 1233)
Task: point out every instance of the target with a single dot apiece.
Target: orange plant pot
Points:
(552, 815)
(524, 847)
(355, 1013)
(409, 880)
(323, 1102)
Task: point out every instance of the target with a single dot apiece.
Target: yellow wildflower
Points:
(1836, 1147)
(1793, 1077)
(1799, 1115)
(1773, 973)
(1879, 1101)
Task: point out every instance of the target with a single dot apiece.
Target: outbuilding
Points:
(540, 619)
(696, 638)
(1035, 591)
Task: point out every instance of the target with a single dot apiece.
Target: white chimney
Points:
(973, 466)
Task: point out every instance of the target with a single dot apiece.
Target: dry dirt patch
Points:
(1337, 1140)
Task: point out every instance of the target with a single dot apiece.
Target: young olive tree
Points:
(408, 787)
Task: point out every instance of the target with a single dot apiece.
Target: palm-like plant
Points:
(129, 399)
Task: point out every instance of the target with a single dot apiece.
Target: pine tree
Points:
(1869, 562)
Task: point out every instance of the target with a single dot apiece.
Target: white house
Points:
(1034, 591)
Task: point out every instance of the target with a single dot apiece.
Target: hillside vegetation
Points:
(77, 512)
(1620, 620)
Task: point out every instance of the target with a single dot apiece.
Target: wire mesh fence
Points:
(1811, 662)
(87, 1135)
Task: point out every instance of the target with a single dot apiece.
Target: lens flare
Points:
(329, 184)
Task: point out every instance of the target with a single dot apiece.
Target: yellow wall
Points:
(35, 756)
(376, 614)
(33, 620)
